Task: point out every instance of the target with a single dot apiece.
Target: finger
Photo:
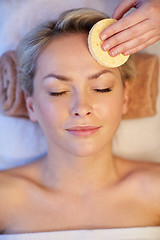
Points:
(122, 24)
(133, 43)
(128, 34)
(122, 8)
(142, 46)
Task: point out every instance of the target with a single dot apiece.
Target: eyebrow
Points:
(98, 74)
(63, 78)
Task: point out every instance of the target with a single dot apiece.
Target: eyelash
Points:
(56, 94)
(103, 90)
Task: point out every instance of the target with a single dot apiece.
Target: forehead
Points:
(65, 47)
(69, 53)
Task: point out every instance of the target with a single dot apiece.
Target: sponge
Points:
(94, 44)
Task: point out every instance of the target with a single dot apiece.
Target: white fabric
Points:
(22, 141)
(145, 233)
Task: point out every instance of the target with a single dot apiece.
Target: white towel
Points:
(21, 142)
(140, 233)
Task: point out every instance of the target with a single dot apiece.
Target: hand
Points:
(134, 32)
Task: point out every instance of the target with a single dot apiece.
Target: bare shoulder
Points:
(145, 173)
(13, 180)
(141, 168)
(13, 183)
(145, 177)
(8, 195)
(148, 175)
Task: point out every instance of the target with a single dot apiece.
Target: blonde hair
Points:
(72, 21)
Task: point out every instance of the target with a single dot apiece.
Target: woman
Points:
(78, 103)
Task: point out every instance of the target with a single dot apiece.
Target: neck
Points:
(79, 175)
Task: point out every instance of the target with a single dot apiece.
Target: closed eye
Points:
(56, 94)
(103, 90)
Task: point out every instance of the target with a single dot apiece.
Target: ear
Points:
(30, 107)
(126, 98)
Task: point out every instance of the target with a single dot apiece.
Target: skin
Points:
(134, 32)
(79, 184)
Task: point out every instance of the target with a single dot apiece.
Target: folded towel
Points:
(143, 89)
(12, 101)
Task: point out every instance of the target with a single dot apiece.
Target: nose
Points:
(81, 105)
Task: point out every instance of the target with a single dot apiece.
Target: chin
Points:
(85, 151)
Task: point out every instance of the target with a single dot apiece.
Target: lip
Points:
(83, 131)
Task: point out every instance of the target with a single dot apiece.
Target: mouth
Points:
(83, 131)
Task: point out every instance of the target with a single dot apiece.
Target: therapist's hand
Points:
(135, 31)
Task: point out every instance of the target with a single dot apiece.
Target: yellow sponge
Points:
(94, 43)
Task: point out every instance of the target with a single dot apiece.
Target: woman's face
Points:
(77, 102)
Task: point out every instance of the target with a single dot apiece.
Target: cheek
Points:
(116, 109)
(117, 105)
(111, 113)
(112, 105)
(48, 115)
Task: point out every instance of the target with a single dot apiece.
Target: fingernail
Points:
(104, 37)
(126, 53)
(106, 47)
(113, 53)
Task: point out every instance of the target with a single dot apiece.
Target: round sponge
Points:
(94, 44)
